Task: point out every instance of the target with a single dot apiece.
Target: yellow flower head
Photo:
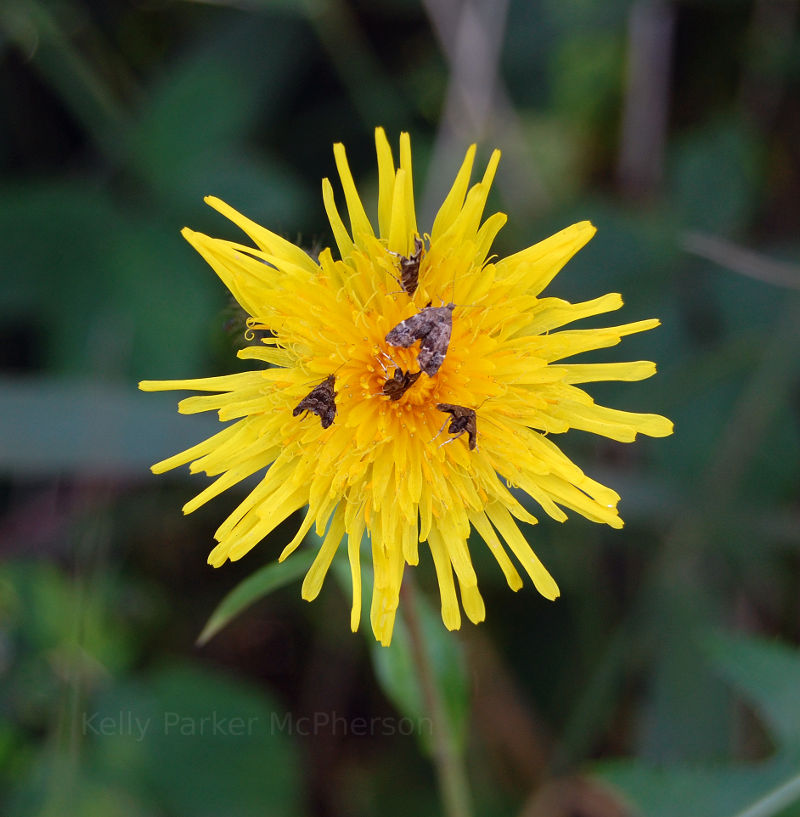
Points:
(409, 383)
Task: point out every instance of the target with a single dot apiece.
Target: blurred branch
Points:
(39, 36)
(644, 123)
(513, 736)
(471, 35)
(353, 58)
(477, 105)
(745, 262)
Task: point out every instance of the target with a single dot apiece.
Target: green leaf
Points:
(113, 291)
(195, 742)
(177, 124)
(56, 616)
(701, 792)
(774, 801)
(768, 674)
(189, 138)
(269, 578)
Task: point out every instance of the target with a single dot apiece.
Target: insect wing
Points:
(409, 331)
(463, 420)
(409, 268)
(431, 325)
(433, 348)
(395, 387)
(436, 340)
(321, 400)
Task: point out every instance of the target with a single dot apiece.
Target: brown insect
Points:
(431, 325)
(320, 401)
(462, 420)
(409, 267)
(397, 385)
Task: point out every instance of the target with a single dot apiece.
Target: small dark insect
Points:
(431, 325)
(397, 385)
(320, 401)
(461, 420)
(409, 267)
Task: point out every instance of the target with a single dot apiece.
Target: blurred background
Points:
(666, 680)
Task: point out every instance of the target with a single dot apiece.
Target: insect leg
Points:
(441, 430)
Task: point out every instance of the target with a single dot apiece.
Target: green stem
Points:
(450, 770)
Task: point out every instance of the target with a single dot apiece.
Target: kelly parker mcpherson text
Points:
(127, 723)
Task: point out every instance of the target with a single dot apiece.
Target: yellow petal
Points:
(340, 234)
(455, 198)
(265, 239)
(359, 223)
(533, 269)
(312, 583)
(405, 164)
(354, 555)
(542, 580)
(385, 182)
(399, 228)
(451, 615)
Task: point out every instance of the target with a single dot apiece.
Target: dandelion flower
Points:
(406, 385)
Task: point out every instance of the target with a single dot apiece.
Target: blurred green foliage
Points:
(115, 120)
(768, 676)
